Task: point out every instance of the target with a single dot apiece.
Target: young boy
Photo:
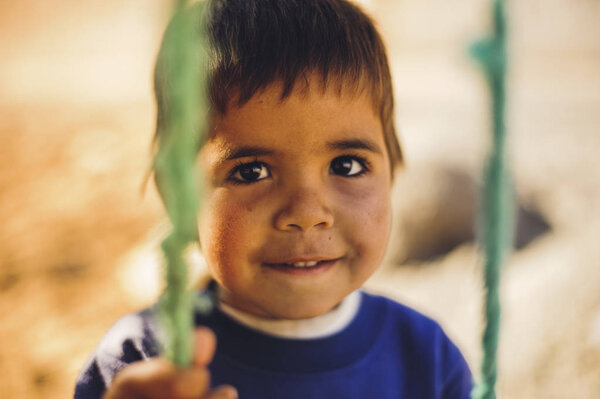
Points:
(298, 169)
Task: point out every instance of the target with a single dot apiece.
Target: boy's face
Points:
(297, 201)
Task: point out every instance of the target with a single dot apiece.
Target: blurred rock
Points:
(436, 211)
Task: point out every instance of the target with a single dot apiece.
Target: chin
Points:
(301, 312)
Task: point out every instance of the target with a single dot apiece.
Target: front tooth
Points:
(305, 264)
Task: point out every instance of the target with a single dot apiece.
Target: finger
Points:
(158, 378)
(191, 384)
(129, 382)
(205, 346)
(223, 392)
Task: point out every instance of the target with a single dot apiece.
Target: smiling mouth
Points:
(311, 264)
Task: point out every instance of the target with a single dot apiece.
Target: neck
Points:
(315, 327)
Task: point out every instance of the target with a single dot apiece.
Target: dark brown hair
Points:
(254, 43)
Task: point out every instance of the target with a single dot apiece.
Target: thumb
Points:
(223, 392)
(205, 344)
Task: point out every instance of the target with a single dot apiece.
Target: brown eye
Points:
(250, 172)
(347, 166)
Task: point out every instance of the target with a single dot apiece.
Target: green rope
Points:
(175, 164)
(497, 199)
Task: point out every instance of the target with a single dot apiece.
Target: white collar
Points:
(315, 327)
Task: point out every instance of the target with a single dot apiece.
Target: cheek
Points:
(367, 219)
(225, 229)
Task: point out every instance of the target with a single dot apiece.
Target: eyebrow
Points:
(354, 144)
(243, 152)
(252, 151)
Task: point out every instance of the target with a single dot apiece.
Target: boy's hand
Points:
(159, 379)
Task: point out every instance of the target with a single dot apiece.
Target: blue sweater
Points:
(387, 351)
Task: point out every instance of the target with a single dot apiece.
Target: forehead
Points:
(304, 120)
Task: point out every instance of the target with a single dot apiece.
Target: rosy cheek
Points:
(367, 215)
(218, 231)
(370, 201)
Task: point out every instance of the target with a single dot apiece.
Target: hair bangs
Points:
(297, 39)
(255, 43)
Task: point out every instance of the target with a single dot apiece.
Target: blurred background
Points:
(80, 228)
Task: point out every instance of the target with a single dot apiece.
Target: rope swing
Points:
(186, 70)
(497, 208)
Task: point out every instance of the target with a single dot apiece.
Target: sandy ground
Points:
(79, 238)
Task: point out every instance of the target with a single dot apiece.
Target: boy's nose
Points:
(304, 210)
